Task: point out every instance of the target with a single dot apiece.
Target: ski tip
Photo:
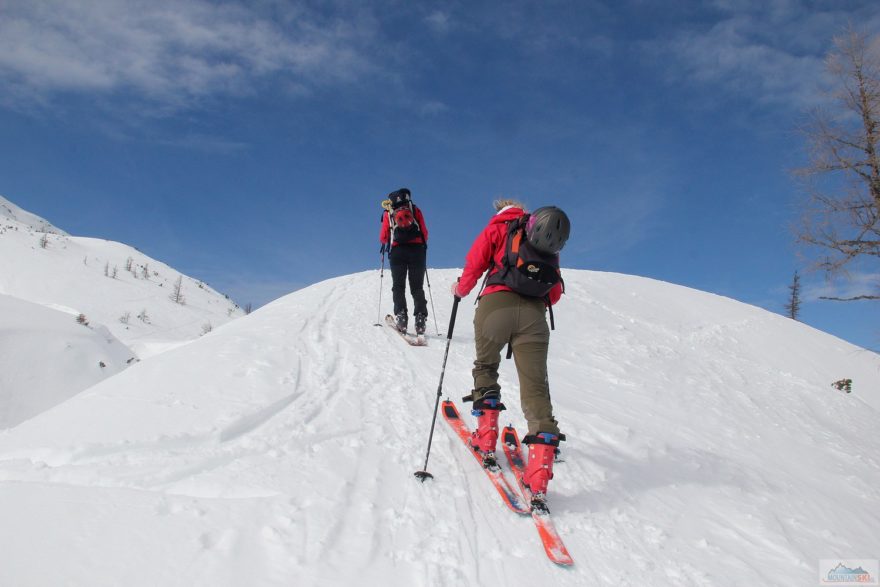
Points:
(559, 555)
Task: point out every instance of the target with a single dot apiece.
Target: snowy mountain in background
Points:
(110, 283)
(32, 222)
(706, 446)
(74, 292)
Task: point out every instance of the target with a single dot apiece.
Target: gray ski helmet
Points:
(399, 197)
(548, 229)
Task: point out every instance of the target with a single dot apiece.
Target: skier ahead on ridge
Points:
(404, 235)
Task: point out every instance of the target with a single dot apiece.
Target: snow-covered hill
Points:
(69, 304)
(46, 356)
(111, 283)
(706, 447)
(31, 222)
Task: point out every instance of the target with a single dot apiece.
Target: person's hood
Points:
(507, 214)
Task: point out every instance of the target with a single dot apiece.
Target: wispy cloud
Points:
(854, 284)
(727, 58)
(439, 21)
(620, 223)
(205, 143)
(433, 108)
(768, 51)
(167, 51)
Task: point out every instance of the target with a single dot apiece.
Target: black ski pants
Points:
(408, 259)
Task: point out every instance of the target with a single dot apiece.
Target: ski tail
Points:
(411, 339)
(550, 538)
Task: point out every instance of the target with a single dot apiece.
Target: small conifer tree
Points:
(793, 305)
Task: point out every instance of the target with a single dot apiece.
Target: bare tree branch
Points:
(842, 216)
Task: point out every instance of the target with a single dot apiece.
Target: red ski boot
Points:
(485, 437)
(539, 469)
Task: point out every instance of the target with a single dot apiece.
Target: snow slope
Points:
(10, 211)
(49, 278)
(41, 347)
(113, 284)
(706, 447)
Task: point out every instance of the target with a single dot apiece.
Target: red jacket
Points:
(488, 251)
(385, 231)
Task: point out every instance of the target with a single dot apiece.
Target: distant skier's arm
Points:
(420, 218)
(385, 231)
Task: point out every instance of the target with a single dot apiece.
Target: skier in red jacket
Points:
(404, 235)
(506, 316)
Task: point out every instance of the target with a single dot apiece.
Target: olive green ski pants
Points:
(506, 317)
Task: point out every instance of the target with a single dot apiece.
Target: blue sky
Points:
(250, 143)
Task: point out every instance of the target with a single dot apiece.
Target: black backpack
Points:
(402, 221)
(525, 269)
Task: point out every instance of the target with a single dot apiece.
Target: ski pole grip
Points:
(452, 317)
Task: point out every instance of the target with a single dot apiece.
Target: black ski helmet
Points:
(399, 197)
(548, 229)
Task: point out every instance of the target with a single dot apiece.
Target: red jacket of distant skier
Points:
(385, 231)
(488, 252)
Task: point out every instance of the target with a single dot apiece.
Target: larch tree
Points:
(842, 217)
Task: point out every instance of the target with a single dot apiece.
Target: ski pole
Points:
(381, 277)
(423, 475)
(431, 297)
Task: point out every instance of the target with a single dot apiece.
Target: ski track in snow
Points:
(281, 448)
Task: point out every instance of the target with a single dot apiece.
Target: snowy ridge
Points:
(10, 211)
(74, 311)
(706, 447)
(111, 283)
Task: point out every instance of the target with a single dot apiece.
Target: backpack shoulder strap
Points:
(513, 240)
(412, 209)
(511, 231)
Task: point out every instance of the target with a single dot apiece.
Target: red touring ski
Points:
(553, 545)
(496, 476)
